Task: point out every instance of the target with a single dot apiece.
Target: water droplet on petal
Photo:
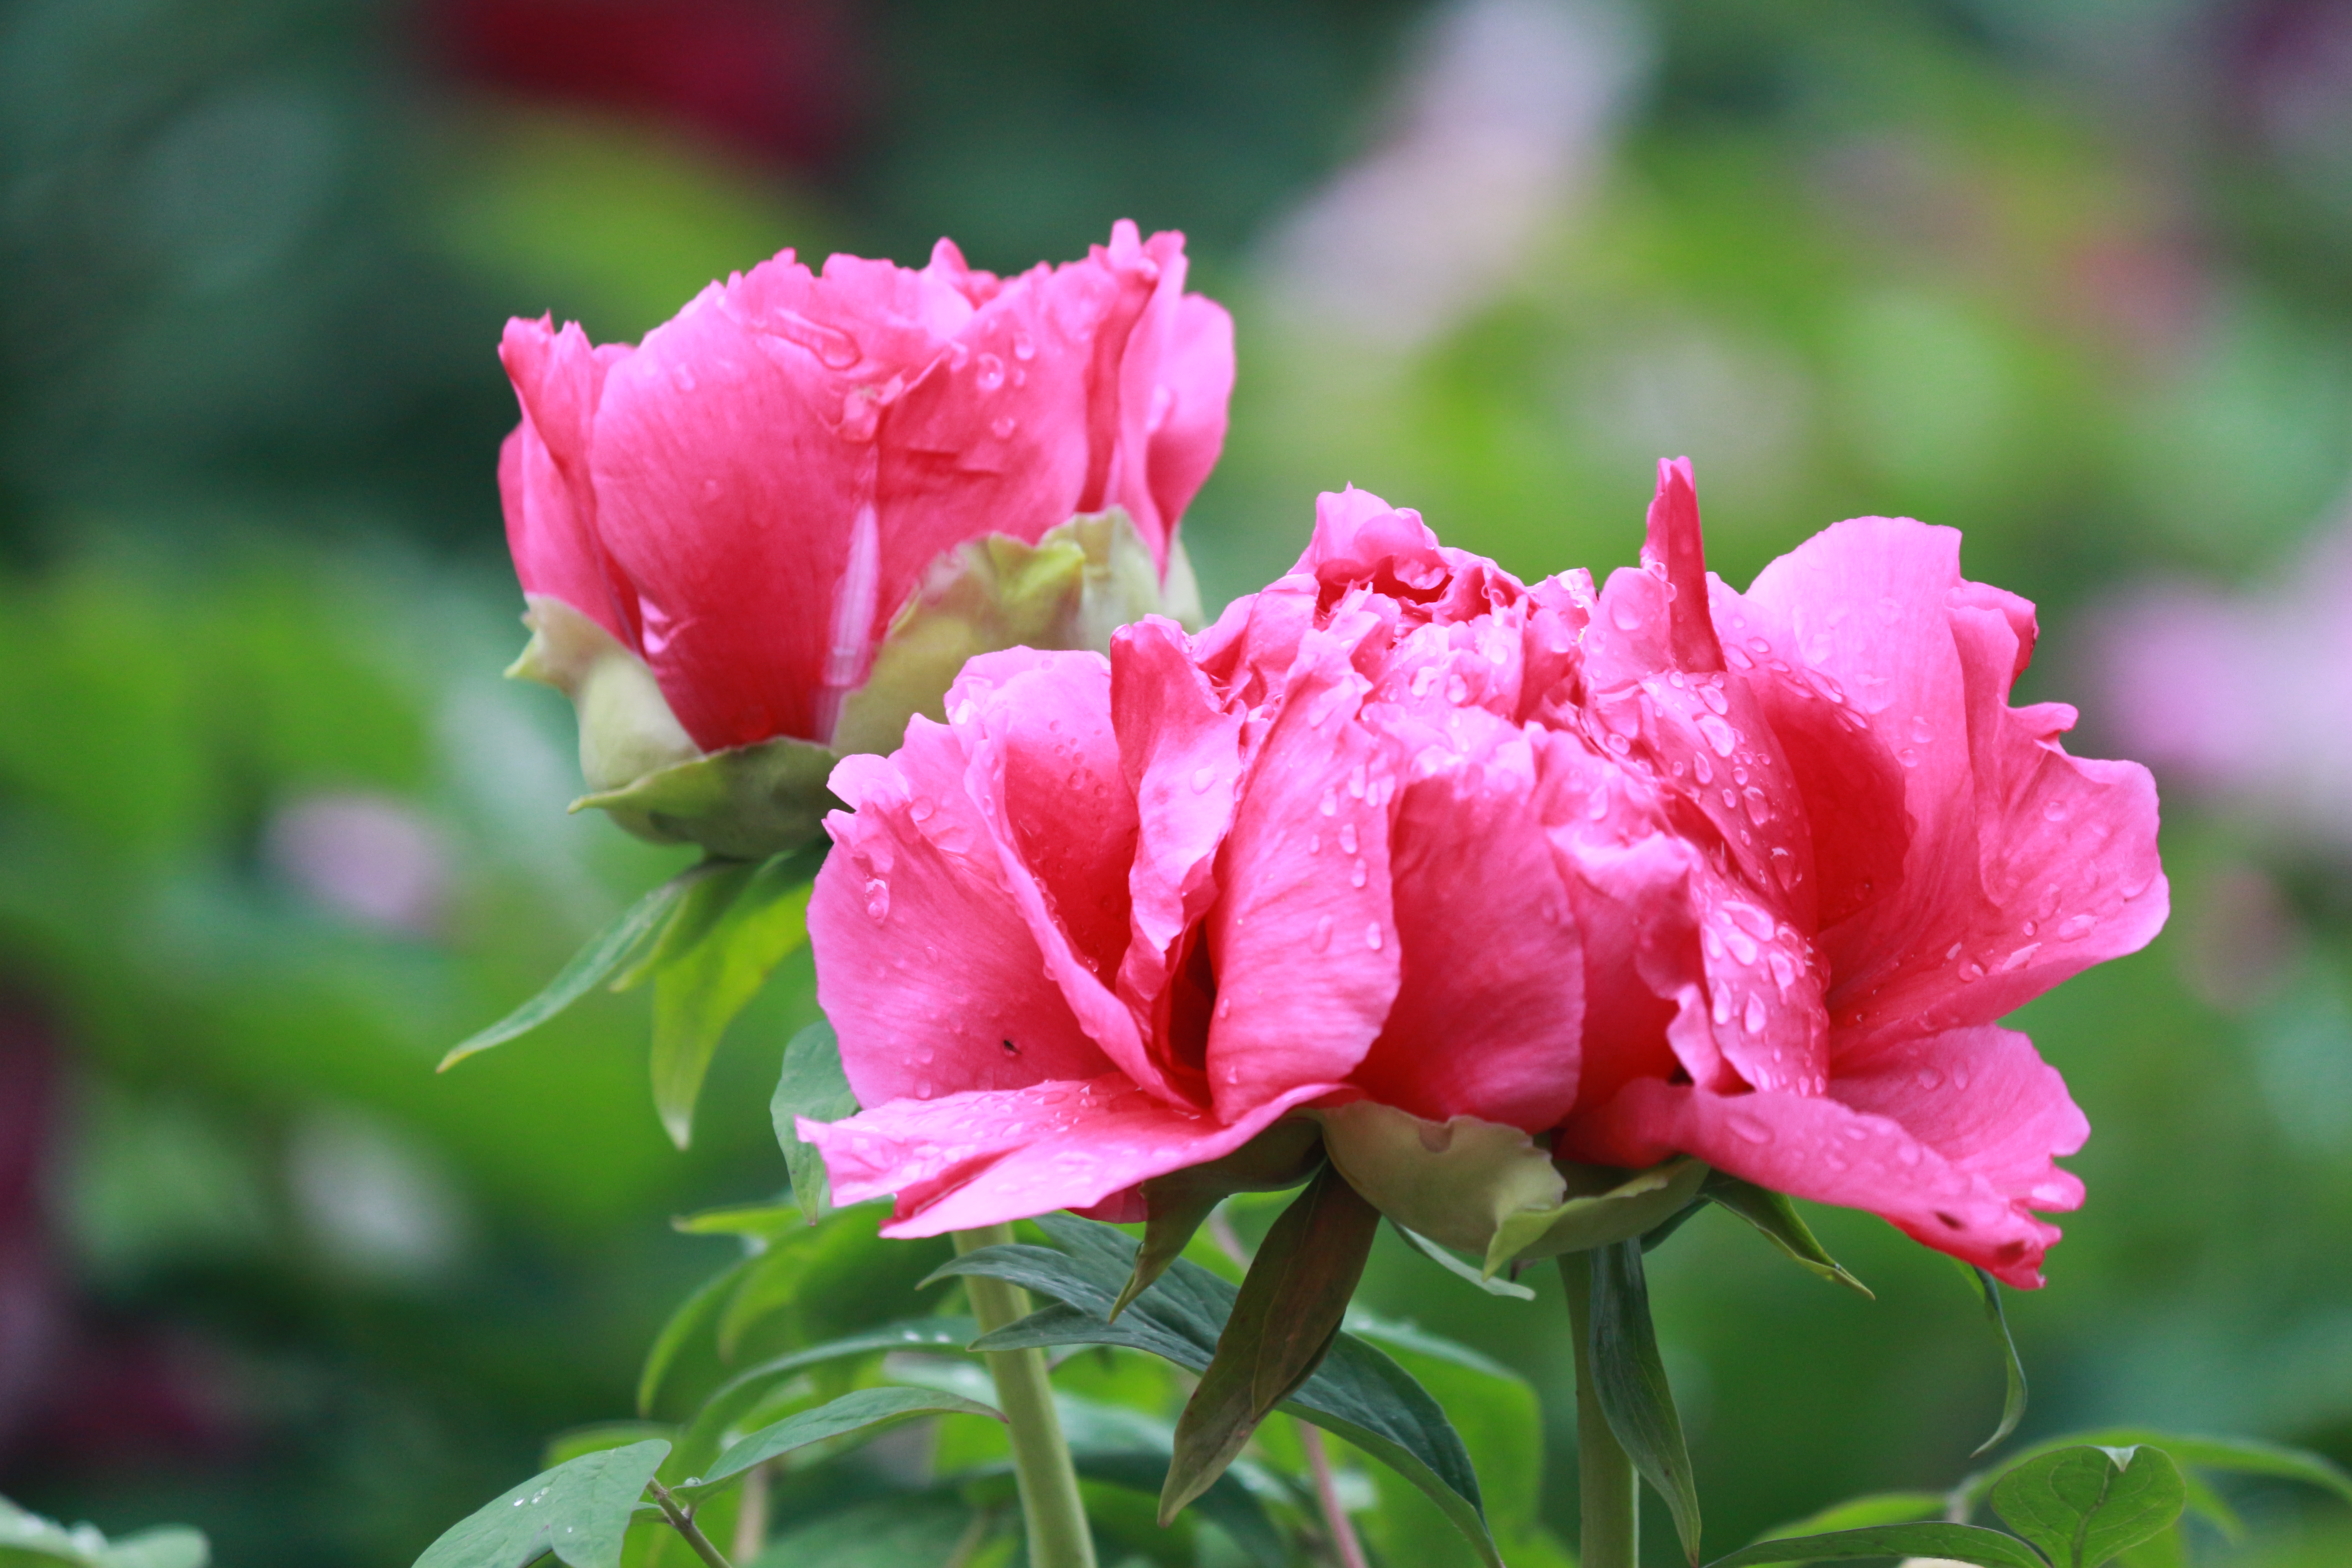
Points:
(991, 372)
(1202, 777)
(1347, 837)
(878, 898)
(1749, 1128)
(1372, 936)
(1002, 427)
(1321, 940)
(1753, 1017)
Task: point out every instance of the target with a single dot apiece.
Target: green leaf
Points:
(2012, 1398)
(1226, 1503)
(2084, 1505)
(745, 803)
(2235, 1456)
(762, 915)
(757, 1224)
(29, 1541)
(1281, 1325)
(605, 951)
(892, 1532)
(1603, 1206)
(579, 1510)
(1776, 1221)
(1492, 1285)
(1631, 1381)
(1357, 1393)
(698, 1311)
(1856, 1513)
(812, 1085)
(748, 1387)
(1956, 1543)
(865, 1412)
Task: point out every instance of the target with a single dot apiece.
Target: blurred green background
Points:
(2073, 275)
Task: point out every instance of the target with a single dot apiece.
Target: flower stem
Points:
(1056, 1520)
(1344, 1544)
(1608, 1492)
(682, 1520)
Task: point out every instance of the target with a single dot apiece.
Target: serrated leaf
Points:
(1494, 1285)
(699, 1309)
(605, 951)
(579, 1510)
(1776, 1221)
(1857, 1513)
(865, 1412)
(2084, 1505)
(1955, 1542)
(1280, 1327)
(812, 1085)
(763, 916)
(1631, 1381)
(1357, 1393)
(2012, 1398)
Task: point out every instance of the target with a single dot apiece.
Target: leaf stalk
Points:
(1608, 1492)
(1050, 1506)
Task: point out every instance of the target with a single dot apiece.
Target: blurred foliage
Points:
(273, 836)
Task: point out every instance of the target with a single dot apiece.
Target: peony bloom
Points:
(720, 528)
(1612, 876)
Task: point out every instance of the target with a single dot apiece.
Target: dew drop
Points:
(1713, 696)
(878, 898)
(1347, 839)
(1024, 346)
(1624, 615)
(1752, 1129)
(1753, 1017)
(1908, 756)
(684, 377)
(1321, 940)
(1372, 936)
(1202, 777)
(1358, 876)
(1331, 806)
(991, 374)
(1002, 427)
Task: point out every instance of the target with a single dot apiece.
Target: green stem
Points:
(1608, 1492)
(1058, 1537)
(682, 1520)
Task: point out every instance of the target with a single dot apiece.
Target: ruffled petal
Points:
(1949, 1139)
(973, 1160)
(544, 474)
(925, 964)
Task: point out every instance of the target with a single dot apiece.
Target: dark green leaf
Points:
(605, 951)
(2084, 1505)
(1856, 1513)
(1776, 1221)
(2012, 1399)
(866, 1411)
(1452, 1265)
(579, 1510)
(2236, 1456)
(697, 1313)
(1282, 1156)
(1281, 1325)
(762, 915)
(1957, 1542)
(1358, 1393)
(1227, 1503)
(1631, 1381)
(812, 1085)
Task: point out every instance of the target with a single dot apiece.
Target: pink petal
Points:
(1196, 368)
(1490, 1000)
(972, 1159)
(2024, 865)
(1304, 939)
(1950, 1139)
(543, 475)
(925, 964)
(727, 496)
(1676, 550)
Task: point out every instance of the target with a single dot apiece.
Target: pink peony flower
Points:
(1663, 869)
(747, 499)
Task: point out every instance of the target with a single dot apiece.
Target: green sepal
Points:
(1603, 1206)
(863, 1413)
(1776, 1221)
(579, 1510)
(1492, 1284)
(1282, 1325)
(1175, 1204)
(745, 803)
(1630, 1379)
(2086, 1505)
(814, 1085)
(1073, 588)
(626, 728)
(604, 953)
(1456, 1181)
(2013, 1397)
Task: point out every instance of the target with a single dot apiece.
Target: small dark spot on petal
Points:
(1953, 1220)
(1010, 1049)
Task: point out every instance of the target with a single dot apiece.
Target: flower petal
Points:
(544, 474)
(914, 876)
(1949, 1139)
(972, 1159)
